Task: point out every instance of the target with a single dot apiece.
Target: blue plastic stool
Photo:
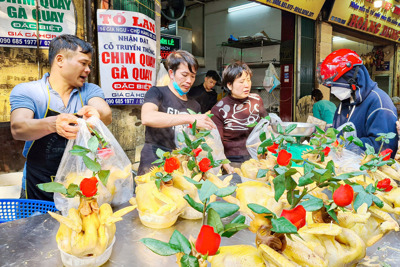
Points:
(14, 209)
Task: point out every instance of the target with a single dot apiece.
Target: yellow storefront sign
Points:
(362, 16)
(306, 8)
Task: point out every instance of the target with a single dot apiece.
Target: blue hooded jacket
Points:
(374, 111)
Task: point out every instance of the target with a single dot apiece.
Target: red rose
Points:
(343, 196)
(190, 126)
(385, 152)
(171, 164)
(205, 164)
(273, 148)
(284, 157)
(297, 216)
(336, 143)
(384, 185)
(326, 150)
(105, 153)
(88, 186)
(196, 151)
(207, 241)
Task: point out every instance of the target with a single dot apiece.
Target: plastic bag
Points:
(119, 188)
(271, 80)
(352, 147)
(253, 141)
(346, 161)
(213, 140)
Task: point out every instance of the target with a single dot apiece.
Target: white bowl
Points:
(92, 261)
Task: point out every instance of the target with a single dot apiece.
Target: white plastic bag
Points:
(346, 161)
(253, 141)
(213, 140)
(119, 188)
(271, 80)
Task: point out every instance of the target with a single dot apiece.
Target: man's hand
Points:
(203, 121)
(88, 111)
(67, 125)
(398, 126)
(228, 168)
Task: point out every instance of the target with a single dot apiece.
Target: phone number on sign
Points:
(124, 101)
(25, 42)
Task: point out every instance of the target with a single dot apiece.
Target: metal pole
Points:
(38, 40)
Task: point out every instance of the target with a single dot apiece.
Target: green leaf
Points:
(79, 150)
(103, 176)
(313, 204)
(197, 206)
(193, 129)
(181, 242)
(226, 191)
(158, 183)
(377, 201)
(157, 161)
(160, 247)
(280, 129)
(263, 136)
(369, 150)
(197, 184)
(53, 187)
(197, 142)
(191, 164)
(239, 219)
(279, 185)
(189, 261)
(167, 178)
(180, 138)
(290, 128)
(188, 142)
(223, 161)
(93, 144)
(319, 130)
(266, 143)
(160, 153)
(331, 212)
(207, 190)
(91, 164)
(214, 220)
(256, 208)
(358, 142)
(206, 147)
(233, 228)
(262, 173)
(306, 179)
(348, 129)
(223, 209)
(191, 112)
(72, 190)
(289, 139)
(330, 166)
(361, 198)
(283, 225)
(252, 124)
(308, 167)
(349, 175)
(261, 150)
(370, 189)
(331, 133)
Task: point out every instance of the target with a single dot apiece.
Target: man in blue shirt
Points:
(322, 109)
(43, 112)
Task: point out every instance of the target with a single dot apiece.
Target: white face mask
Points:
(340, 92)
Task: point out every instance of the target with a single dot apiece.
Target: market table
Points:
(32, 242)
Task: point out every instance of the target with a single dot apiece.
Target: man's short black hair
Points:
(213, 74)
(234, 71)
(67, 42)
(181, 56)
(317, 94)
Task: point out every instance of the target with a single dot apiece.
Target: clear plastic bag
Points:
(213, 140)
(352, 147)
(119, 188)
(271, 80)
(253, 141)
(346, 161)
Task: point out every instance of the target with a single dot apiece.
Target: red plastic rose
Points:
(171, 164)
(297, 216)
(207, 241)
(336, 143)
(385, 185)
(105, 153)
(190, 126)
(284, 157)
(88, 186)
(343, 196)
(205, 164)
(273, 148)
(196, 151)
(326, 150)
(386, 152)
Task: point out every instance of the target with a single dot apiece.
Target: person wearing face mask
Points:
(361, 101)
(235, 112)
(167, 106)
(204, 93)
(43, 112)
(322, 109)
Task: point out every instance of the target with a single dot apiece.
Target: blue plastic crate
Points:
(14, 209)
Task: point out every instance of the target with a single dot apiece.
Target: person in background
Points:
(235, 112)
(322, 109)
(362, 103)
(204, 93)
(43, 112)
(163, 105)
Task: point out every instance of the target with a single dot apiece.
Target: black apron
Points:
(43, 159)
